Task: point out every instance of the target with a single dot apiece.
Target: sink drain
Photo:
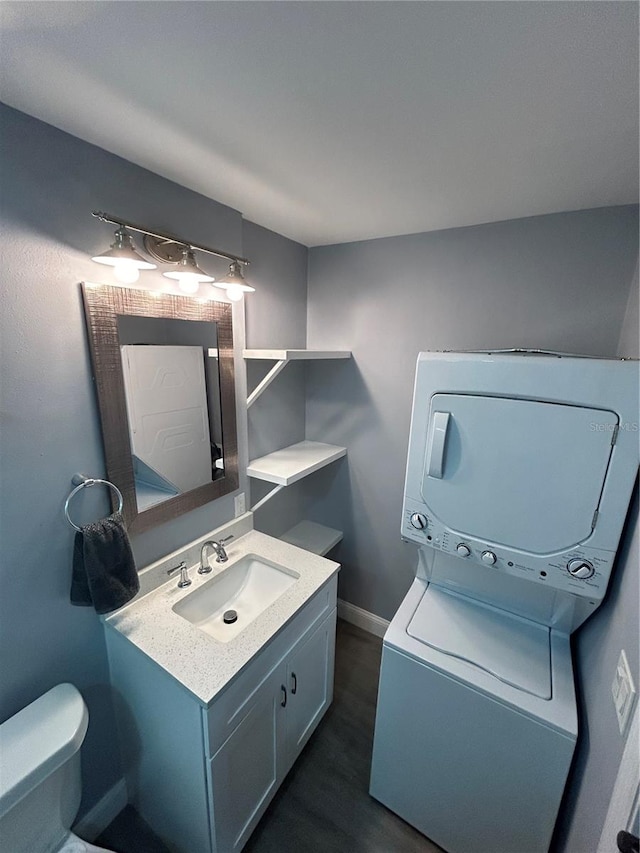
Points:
(229, 617)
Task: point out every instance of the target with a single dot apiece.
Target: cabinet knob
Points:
(284, 696)
(294, 685)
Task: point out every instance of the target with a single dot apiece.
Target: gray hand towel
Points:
(104, 572)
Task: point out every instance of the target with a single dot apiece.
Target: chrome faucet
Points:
(184, 574)
(221, 554)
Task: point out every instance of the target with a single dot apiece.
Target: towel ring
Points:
(89, 481)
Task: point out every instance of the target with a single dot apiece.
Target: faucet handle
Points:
(221, 554)
(184, 574)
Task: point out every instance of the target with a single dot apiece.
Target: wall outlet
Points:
(623, 691)
(239, 505)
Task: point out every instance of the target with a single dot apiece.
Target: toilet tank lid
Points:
(38, 740)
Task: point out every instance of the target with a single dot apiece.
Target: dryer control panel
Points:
(581, 571)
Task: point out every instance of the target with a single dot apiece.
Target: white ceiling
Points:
(338, 121)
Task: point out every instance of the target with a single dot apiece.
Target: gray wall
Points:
(555, 282)
(613, 627)
(50, 184)
(277, 311)
(629, 344)
(276, 319)
(563, 282)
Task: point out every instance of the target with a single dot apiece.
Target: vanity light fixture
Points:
(169, 249)
(235, 283)
(188, 274)
(124, 259)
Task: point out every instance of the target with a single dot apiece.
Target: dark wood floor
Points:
(323, 806)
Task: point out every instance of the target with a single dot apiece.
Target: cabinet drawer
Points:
(229, 709)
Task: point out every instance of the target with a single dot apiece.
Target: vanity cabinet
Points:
(277, 719)
(310, 686)
(201, 776)
(247, 769)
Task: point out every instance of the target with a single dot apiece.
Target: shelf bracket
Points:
(268, 379)
(267, 497)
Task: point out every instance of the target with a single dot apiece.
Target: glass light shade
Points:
(235, 283)
(122, 254)
(187, 270)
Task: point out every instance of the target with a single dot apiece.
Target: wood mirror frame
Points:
(103, 305)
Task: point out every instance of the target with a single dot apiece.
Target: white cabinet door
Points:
(276, 721)
(248, 767)
(310, 685)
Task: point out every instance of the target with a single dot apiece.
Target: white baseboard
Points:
(362, 618)
(105, 810)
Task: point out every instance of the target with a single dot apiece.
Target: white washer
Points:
(519, 473)
(474, 763)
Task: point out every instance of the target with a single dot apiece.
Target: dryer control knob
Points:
(418, 520)
(463, 550)
(489, 558)
(580, 569)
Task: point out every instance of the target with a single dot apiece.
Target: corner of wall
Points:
(629, 341)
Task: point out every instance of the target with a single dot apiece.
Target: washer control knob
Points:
(580, 569)
(463, 550)
(489, 558)
(418, 520)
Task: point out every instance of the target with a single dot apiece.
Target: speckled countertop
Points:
(202, 664)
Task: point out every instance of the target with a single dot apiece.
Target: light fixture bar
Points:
(106, 217)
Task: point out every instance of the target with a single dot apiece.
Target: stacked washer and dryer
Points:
(519, 475)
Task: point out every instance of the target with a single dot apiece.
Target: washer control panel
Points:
(582, 570)
(418, 520)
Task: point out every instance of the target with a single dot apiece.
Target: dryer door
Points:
(520, 473)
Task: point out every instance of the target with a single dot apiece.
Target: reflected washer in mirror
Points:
(106, 310)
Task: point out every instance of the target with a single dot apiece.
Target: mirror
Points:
(163, 368)
(172, 390)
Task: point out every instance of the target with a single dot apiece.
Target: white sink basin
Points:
(248, 587)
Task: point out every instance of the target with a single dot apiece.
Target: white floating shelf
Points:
(282, 357)
(292, 463)
(294, 354)
(313, 537)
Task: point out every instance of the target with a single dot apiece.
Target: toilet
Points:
(40, 784)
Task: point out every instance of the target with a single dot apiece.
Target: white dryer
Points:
(519, 474)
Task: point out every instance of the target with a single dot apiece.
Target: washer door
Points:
(512, 649)
(519, 473)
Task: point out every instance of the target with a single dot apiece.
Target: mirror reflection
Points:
(163, 366)
(172, 389)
